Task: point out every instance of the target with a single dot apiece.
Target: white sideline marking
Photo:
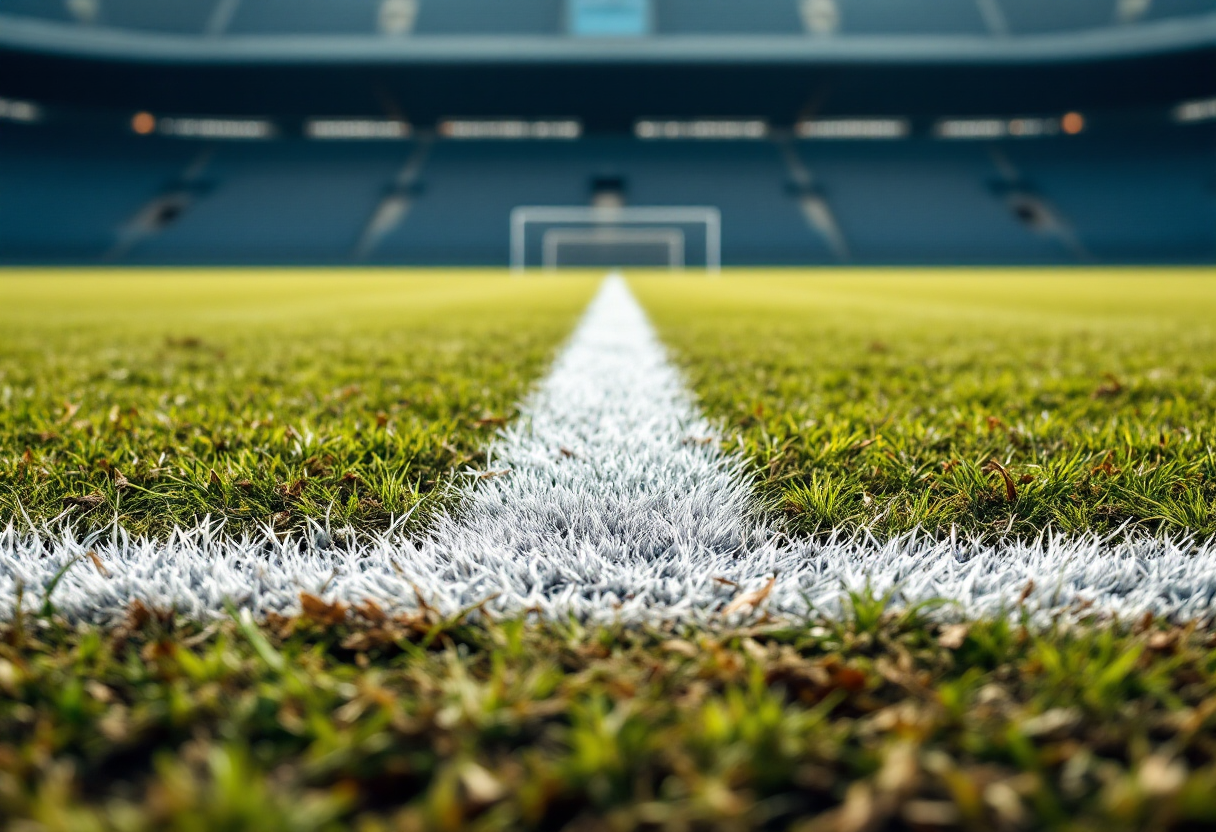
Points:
(615, 507)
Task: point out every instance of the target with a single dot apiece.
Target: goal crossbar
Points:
(525, 215)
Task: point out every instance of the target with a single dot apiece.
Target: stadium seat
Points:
(1149, 198)
(1130, 201)
(727, 17)
(64, 201)
(311, 16)
(283, 202)
(1035, 16)
(40, 9)
(745, 180)
(911, 17)
(923, 202)
(496, 17)
(1160, 9)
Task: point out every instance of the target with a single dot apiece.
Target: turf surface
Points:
(845, 391)
(347, 719)
(260, 398)
(995, 403)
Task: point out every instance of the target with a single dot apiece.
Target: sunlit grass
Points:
(993, 402)
(260, 397)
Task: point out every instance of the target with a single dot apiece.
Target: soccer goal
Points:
(557, 236)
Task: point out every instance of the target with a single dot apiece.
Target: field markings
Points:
(609, 499)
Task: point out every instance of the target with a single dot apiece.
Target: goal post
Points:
(581, 225)
(554, 239)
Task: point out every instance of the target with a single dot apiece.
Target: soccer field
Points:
(993, 402)
(260, 397)
(899, 550)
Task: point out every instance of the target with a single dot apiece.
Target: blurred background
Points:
(554, 133)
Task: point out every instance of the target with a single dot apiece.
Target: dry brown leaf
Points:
(681, 647)
(1110, 388)
(1011, 491)
(120, 481)
(751, 600)
(97, 563)
(69, 410)
(88, 501)
(372, 611)
(1106, 467)
(137, 615)
(953, 636)
(481, 786)
(321, 611)
(295, 489)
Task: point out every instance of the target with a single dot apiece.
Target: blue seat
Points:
(1132, 201)
(38, 9)
(1161, 9)
(311, 16)
(727, 17)
(490, 17)
(1037, 16)
(469, 189)
(280, 202)
(911, 17)
(62, 200)
(923, 202)
(1135, 198)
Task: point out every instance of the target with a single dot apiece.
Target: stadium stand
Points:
(280, 202)
(922, 202)
(553, 17)
(294, 201)
(1137, 185)
(483, 17)
(63, 200)
(916, 16)
(305, 16)
(726, 17)
(41, 9)
(1131, 200)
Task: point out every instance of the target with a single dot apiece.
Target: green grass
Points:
(260, 397)
(992, 402)
(861, 398)
(346, 720)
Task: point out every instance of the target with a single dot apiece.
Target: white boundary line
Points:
(616, 505)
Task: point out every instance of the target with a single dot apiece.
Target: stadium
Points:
(607, 414)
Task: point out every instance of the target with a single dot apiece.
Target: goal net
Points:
(565, 236)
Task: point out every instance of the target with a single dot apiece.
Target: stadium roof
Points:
(25, 34)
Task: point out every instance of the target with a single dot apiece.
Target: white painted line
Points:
(616, 505)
